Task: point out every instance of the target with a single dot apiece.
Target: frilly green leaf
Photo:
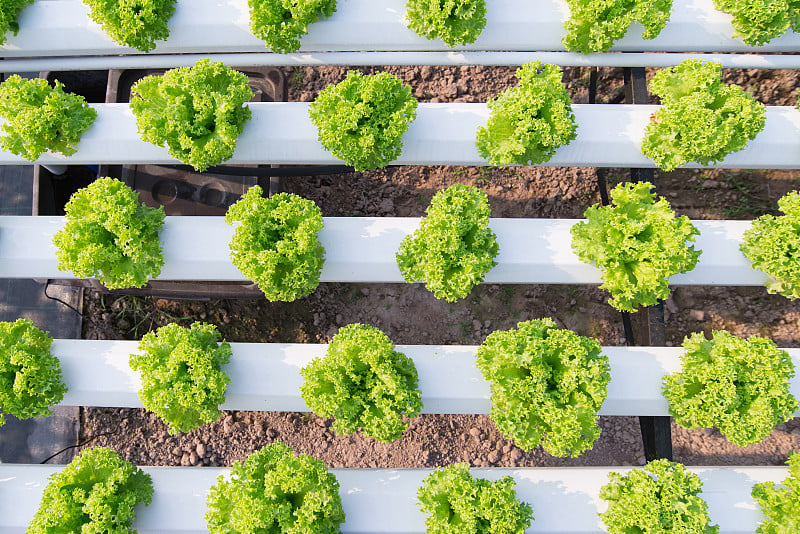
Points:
(281, 23)
(453, 21)
(135, 23)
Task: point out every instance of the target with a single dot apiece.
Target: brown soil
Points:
(410, 315)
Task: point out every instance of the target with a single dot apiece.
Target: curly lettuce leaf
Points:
(108, 234)
(197, 112)
(362, 119)
(457, 503)
(758, 21)
(135, 23)
(529, 122)
(9, 15)
(702, 119)
(780, 504)
(773, 245)
(41, 118)
(638, 243)
(547, 386)
(277, 243)
(30, 376)
(364, 383)
(276, 491)
(594, 25)
(453, 21)
(739, 386)
(181, 373)
(453, 248)
(97, 492)
(660, 498)
(281, 23)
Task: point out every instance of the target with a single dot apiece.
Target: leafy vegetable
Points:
(739, 386)
(594, 25)
(453, 248)
(638, 243)
(197, 112)
(97, 492)
(529, 122)
(780, 504)
(30, 376)
(363, 382)
(281, 23)
(660, 498)
(362, 119)
(702, 119)
(135, 23)
(41, 118)
(277, 244)
(108, 234)
(457, 503)
(182, 377)
(758, 21)
(547, 386)
(276, 491)
(772, 244)
(453, 21)
(9, 12)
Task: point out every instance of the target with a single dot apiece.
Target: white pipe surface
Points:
(63, 27)
(609, 135)
(362, 249)
(367, 58)
(266, 376)
(564, 500)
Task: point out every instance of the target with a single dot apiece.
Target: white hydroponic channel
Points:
(266, 376)
(564, 500)
(609, 135)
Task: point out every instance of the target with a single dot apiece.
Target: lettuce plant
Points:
(771, 243)
(739, 386)
(638, 243)
(97, 492)
(281, 23)
(181, 372)
(135, 23)
(702, 119)
(362, 119)
(453, 21)
(758, 21)
(780, 504)
(660, 498)
(547, 386)
(457, 503)
(594, 25)
(9, 13)
(197, 112)
(108, 234)
(276, 491)
(453, 248)
(277, 243)
(529, 122)
(41, 118)
(30, 376)
(364, 383)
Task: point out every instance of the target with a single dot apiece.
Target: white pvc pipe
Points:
(362, 249)
(63, 27)
(442, 134)
(564, 500)
(467, 57)
(266, 376)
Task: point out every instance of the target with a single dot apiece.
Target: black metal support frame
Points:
(650, 327)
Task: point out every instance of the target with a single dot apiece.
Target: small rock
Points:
(193, 458)
(494, 457)
(364, 290)
(697, 315)
(426, 72)
(477, 325)
(709, 184)
(671, 306)
(176, 451)
(516, 455)
(200, 450)
(387, 206)
(185, 460)
(474, 432)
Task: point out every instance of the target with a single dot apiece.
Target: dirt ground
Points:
(410, 315)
